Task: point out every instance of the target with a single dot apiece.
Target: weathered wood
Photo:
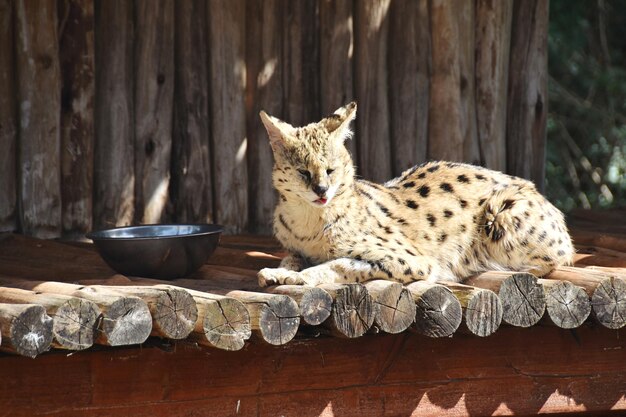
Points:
(567, 305)
(523, 299)
(527, 102)
(8, 120)
(114, 168)
(76, 55)
(409, 65)
(125, 320)
(336, 58)
(482, 309)
(395, 308)
(371, 26)
(249, 259)
(75, 320)
(173, 310)
(300, 61)
(228, 113)
(582, 260)
(264, 91)
(274, 318)
(438, 311)
(39, 100)
(154, 96)
(607, 292)
(465, 18)
(353, 310)
(315, 303)
(191, 185)
(26, 329)
(602, 240)
(445, 130)
(493, 39)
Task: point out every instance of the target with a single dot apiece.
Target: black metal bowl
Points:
(164, 251)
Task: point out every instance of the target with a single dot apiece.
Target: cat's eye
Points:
(305, 174)
(329, 171)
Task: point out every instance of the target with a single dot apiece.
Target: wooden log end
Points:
(523, 300)
(279, 319)
(127, 321)
(174, 313)
(438, 311)
(315, 306)
(568, 305)
(609, 303)
(353, 309)
(225, 324)
(483, 313)
(75, 324)
(395, 308)
(27, 330)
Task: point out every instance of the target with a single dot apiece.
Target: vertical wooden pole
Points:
(336, 58)
(154, 96)
(527, 106)
(445, 130)
(465, 17)
(300, 59)
(38, 93)
(191, 188)
(8, 120)
(114, 172)
(493, 39)
(409, 59)
(227, 109)
(76, 52)
(371, 35)
(263, 92)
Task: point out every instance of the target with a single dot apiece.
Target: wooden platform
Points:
(259, 361)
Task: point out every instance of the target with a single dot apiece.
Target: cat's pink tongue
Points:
(321, 201)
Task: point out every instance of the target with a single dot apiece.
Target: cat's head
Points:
(311, 162)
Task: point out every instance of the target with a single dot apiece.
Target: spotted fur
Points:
(436, 221)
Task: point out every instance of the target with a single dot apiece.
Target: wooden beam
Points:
(77, 58)
(39, 103)
(438, 311)
(227, 112)
(516, 371)
(26, 329)
(394, 306)
(114, 167)
(8, 120)
(353, 310)
(567, 305)
(191, 184)
(482, 309)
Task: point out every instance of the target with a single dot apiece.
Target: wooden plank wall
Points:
(115, 112)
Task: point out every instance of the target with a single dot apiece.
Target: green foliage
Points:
(586, 164)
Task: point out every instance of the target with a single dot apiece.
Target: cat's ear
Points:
(338, 125)
(277, 130)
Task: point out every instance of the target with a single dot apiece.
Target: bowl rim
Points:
(100, 235)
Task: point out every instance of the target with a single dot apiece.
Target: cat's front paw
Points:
(277, 276)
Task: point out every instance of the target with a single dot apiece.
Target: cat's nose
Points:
(320, 190)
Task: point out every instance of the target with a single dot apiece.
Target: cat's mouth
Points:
(321, 201)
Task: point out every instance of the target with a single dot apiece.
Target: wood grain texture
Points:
(191, 183)
(39, 101)
(26, 329)
(114, 167)
(493, 38)
(516, 371)
(567, 305)
(8, 120)
(394, 306)
(300, 62)
(482, 309)
(264, 91)
(445, 117)
(77, 60)
(527, 105)
(337, 58)
(353, 310)
(438, 312)
(227, 112)
(154, 96)
(371, 27)
(409, 66)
